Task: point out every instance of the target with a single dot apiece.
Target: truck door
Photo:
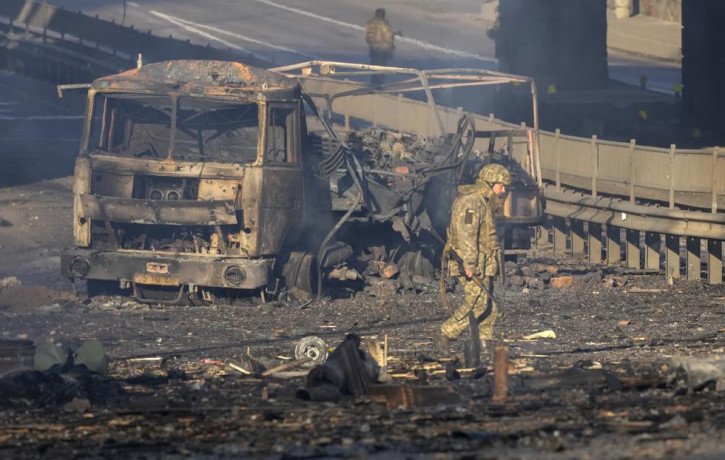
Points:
(282, 201)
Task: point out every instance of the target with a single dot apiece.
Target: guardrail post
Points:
(632, 170)
(673, 149)
(595, 165)
(614, 238)
(558, 159)
(577, 237)
(715, 185)
(672, 256)
(634, 253)
(490, 121)
(693, 259)
(595, 242)
(652, 242)
(714, 261)
(559, 227)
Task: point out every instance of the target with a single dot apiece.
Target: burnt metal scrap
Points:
(347, 371)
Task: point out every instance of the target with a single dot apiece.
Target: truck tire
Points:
(415, 263)
(300, 272)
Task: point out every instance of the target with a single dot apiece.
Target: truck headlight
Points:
(234, 275)
(79, 266)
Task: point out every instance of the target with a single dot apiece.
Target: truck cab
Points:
(189, 174)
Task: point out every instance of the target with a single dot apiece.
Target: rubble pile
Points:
(529, 276)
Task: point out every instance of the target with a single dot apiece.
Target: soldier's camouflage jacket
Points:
(379, 35)
(472, 232)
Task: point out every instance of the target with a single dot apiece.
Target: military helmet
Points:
(494, 173)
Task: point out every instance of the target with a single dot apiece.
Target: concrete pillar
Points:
(634, 253)
(595, 243)
(714, 261)
(559, 227)
(693, 259)
(672, 256)
(652, 242)
(613, 245)
(577, 237)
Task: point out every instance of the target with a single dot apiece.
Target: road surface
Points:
(435, 34)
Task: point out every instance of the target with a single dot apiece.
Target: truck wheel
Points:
(300, 272)
(415, 263)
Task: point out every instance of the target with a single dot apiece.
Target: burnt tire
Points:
(415, 263)
(300, 272)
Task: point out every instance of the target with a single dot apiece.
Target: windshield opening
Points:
(139, 126)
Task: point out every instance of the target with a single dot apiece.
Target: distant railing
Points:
(86, 44)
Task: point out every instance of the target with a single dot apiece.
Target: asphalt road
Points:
(435, 34)
(442, 33)
(449, 33)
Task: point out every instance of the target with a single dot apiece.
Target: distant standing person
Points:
(380, 39)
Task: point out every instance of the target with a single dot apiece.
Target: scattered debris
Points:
(408, 397)
(10, 281)
(639, 290)
(548, 334)
(311, 347)
(696, 374)
(561, 282)
(287, 366)
(90, 356)
(238, 368)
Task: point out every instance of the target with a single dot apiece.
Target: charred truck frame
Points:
(199, 176)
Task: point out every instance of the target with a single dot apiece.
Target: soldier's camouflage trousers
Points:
(483, 309)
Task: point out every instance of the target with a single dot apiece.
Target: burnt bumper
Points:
(166, 270)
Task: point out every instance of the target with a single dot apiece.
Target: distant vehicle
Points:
(200, 178)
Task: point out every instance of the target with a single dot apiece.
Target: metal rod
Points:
(537, 147)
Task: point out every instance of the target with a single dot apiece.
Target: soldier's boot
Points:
(441, 344)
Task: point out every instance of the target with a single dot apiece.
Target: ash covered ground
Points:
(600, 389)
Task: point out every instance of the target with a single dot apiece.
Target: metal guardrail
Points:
(674, 177)
(40, 27)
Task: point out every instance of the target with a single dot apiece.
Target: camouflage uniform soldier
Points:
(472, 236)
(379, 37)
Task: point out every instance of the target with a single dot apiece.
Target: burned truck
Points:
(197, 177)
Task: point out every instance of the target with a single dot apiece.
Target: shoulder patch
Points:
(469, 216)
